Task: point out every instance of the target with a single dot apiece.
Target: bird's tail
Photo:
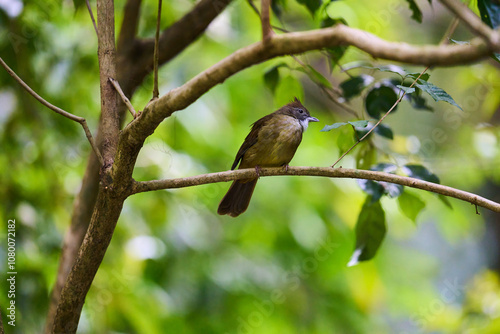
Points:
(237, 198)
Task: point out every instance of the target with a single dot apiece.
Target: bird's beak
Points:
(312, 119)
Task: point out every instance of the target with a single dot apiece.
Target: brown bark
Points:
(129, 49)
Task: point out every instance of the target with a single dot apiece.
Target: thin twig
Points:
(381, 119)
(451, 28)
(328, 92)
(91, 15)
(58, 110)
(473, 21)
(156, 93)
(125, 99)
(449, 32)
(265, 20)
(240, 174)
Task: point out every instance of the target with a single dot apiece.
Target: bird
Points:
(272, 142)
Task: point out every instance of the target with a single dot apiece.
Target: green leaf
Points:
(78, 4)
(318, 77)
(361, 123)
(384, 131)
(416, 13)
(278, 7)
(384, 167)
(410, 205)
(356, 64)
(353, 86)
(423, 77)
(288, 86)
(335, 54)
(312, 5)
(372, 188)
(366, 157)
(272, 78)
(417, 101)
(420, 172)
(379, 188)
(490, 12)
(445, 200)
(438, 94)
(344, 141)
(460, 42)
(329, 22)
(370, 231)
(408, 90)
(379, 100)
(388, 68)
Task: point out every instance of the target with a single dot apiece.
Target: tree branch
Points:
(135, 61)
(124, 98)
(293, 43)
(109, 200)
(128, 29)
(155, 112)
(240, 174)
(473, 21)
(179, 35)
(58, 110)
(91, 15)
(265, 19)
(83, 207)
(156, 93)
(107, 69)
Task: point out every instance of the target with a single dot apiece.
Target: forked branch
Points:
(58, 110)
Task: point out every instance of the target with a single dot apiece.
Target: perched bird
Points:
(272, 142)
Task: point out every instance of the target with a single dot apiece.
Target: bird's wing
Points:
(250, 140)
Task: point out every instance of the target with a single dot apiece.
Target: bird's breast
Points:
(276, 144)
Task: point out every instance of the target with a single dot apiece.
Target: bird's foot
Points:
(257, 170)
(285, 166)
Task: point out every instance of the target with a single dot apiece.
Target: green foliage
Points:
(410, 205)
(315, 76)
(175, 265)
(379, 100)
(370, 231)
(360, 124)
(416, 12)
(311, 5)
(377, 189)
(420, 172)
(354, 86)
(272, 76)
(490, 14)
(438, 94)
(336, 53)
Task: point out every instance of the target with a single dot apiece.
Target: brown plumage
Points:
(272, 142)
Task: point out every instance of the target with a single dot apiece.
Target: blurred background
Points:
(174, 264)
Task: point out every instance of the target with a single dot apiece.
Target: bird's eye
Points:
(301, 111)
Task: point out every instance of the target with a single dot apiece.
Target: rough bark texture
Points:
(129, 50)
(103, 222)
(109, 206)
